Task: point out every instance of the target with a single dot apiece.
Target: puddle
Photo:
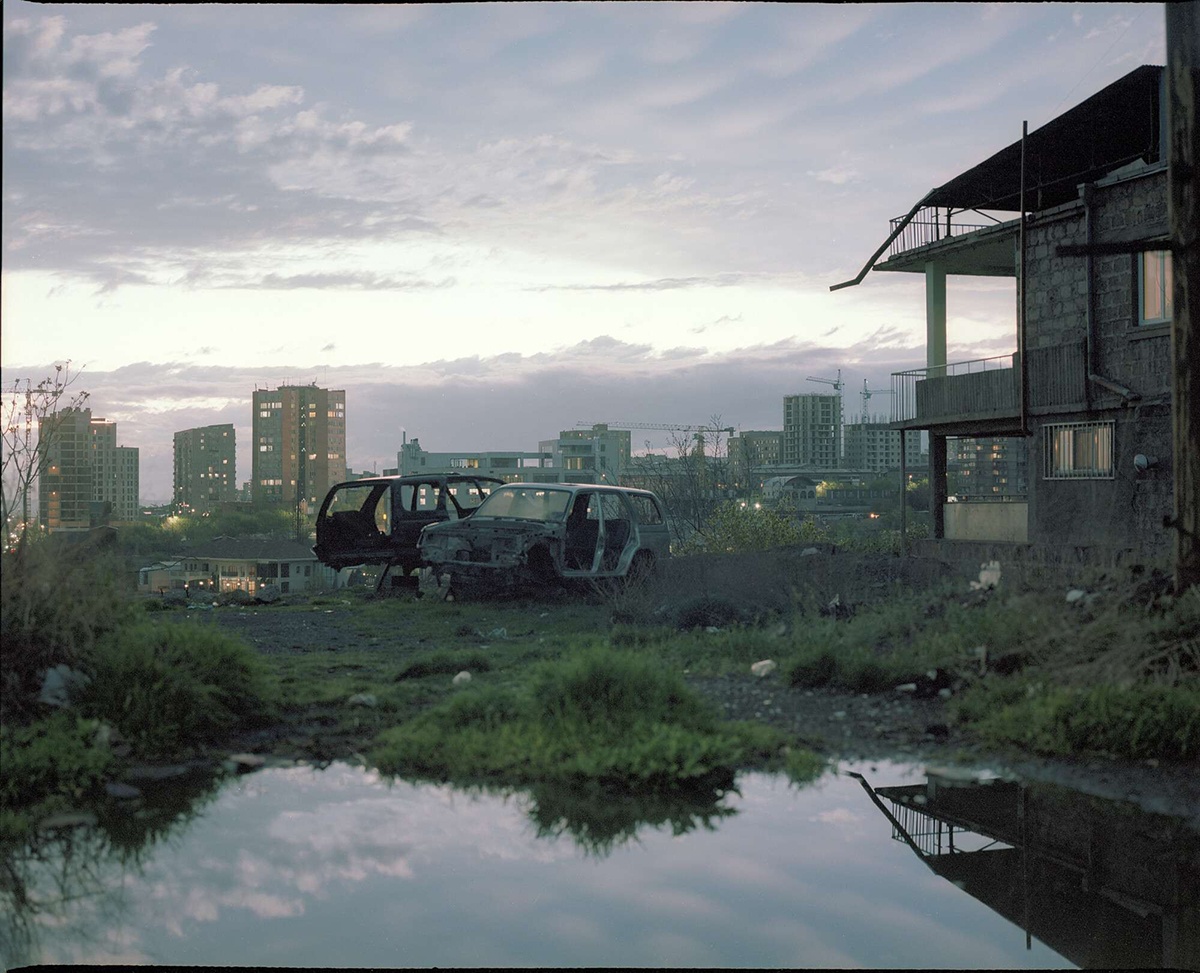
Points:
(338, 867)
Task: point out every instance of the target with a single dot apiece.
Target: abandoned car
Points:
(377, 520)
(527, 533)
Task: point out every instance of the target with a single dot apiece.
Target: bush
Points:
(55, 603)
(170, 686)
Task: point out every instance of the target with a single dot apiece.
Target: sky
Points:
(489, 222)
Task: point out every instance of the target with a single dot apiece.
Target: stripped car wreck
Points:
(528, 534)
(378, 520)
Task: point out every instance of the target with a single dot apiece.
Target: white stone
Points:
(462, 678)
(362, 699)
(1074, 595)
(907, 687)
(764, 668)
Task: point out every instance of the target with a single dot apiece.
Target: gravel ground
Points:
(843, 726)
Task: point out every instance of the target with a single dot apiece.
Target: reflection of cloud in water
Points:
(392, 874)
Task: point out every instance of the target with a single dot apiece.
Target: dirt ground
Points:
(891, 726)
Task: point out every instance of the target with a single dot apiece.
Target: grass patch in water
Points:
(603, 715)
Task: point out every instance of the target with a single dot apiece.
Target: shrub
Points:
(55, 603)
(170, 686)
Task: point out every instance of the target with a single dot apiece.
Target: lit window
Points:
(1155, 303)
(1078, 450)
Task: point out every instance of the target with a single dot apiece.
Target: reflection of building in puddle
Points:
(1102, 883)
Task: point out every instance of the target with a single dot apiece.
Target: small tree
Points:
(26, 408)
(691, 484)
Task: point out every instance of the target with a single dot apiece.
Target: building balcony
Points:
(962, 241)
(983, 396)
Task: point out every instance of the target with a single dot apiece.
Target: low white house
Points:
(228, 563)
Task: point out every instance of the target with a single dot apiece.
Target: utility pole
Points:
(1183, 208)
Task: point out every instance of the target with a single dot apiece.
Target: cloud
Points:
(506, 401)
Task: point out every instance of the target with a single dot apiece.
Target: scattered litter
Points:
(989, 576)
(907, 687)
(1074, 595)
(764, 668)
(462, 678)
(362, 699)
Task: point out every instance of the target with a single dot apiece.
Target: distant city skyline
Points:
(487, 222)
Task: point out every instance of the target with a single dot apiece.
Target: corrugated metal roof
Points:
(1117, 125)
(252, 549)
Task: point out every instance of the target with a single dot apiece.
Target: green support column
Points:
(935, 316)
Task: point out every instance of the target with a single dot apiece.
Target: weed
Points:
(611, 717)
(707, 612)
(171, 686)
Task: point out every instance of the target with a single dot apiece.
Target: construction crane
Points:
(868, 392)
(836, 383)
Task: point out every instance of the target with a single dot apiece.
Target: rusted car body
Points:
(378, 520)
(527, 533)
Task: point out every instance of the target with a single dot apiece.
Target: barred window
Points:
(1078, 450)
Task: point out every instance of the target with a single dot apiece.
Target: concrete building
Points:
(245, 563)
(85, 479)
(875, 447)
(205, 466)
(752, 456)
(508, 465)
(812, 430)
(596, 455)
(1087, 390)
(298, 445)
(989, 467)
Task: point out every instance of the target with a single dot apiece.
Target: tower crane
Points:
(866, 397)
(836, 383)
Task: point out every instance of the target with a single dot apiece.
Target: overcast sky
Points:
(490, 221)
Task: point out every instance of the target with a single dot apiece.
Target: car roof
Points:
(613, 488)
(416, 479)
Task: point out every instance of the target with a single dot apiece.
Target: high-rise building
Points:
(812, 430)
(752, 453)
(298, 448)
(875, 446)
(979, 467)
(84, 478)
(205, 466)
(595, 455)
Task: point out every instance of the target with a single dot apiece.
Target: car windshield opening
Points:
(525, 503)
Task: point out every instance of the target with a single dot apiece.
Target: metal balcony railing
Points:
(932, 224)
(982, 388)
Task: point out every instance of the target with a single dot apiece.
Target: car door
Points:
(618, 531)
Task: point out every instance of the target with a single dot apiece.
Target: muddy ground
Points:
(892, 726)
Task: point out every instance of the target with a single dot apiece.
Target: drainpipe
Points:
(1023, 369)
(1089, 356)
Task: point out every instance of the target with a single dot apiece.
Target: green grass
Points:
(171, 687)
(612, 717)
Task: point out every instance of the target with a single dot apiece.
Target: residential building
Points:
(205, 466)
(1087, 388)
(991, 467)
(812, 430)
(298, 445)
(595, 455)
(508, 465)
(752, 455)
(875, 447)
(245, 563)
(84, 478)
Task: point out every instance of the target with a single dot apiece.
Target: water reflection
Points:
(339, 867)
(1101, 884)
(71, 878)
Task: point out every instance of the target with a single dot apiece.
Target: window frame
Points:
(1065, 467)
(1166, 293)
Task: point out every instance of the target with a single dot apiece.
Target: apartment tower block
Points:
(298, 445)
